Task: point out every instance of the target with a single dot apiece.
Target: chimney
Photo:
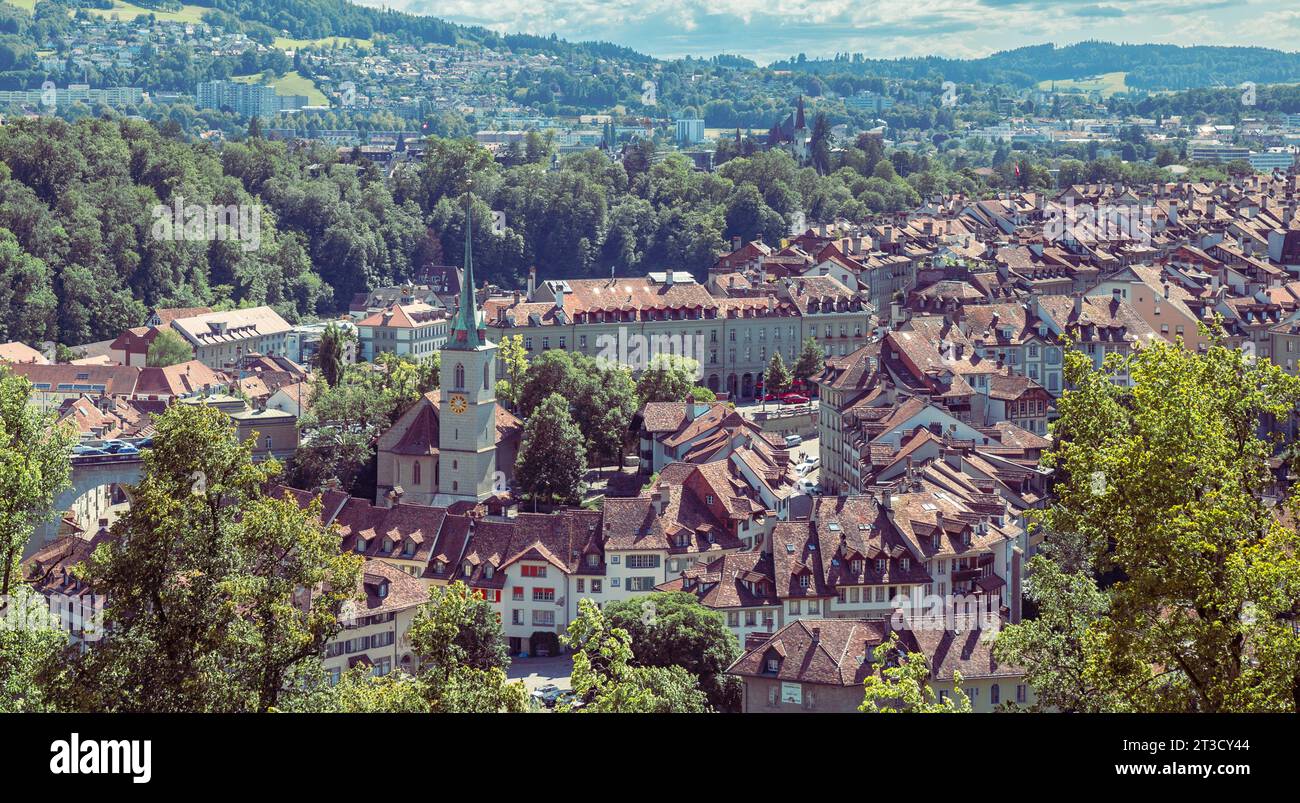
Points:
(395, 496)
(532, 282)
(735, 244)
(817, 635)
(1078, 306)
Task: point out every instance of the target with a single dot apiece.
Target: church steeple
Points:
(467, 408)
(799, 117)
(465, 332)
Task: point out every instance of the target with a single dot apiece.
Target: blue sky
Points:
(773, 29)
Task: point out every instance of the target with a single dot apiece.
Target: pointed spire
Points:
(465, 329)
(799, 117)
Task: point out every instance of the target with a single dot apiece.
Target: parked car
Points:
(794, 398)
(792, 441)
(548, 694)
(87, 451)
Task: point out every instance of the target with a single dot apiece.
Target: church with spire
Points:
(793, 135)
(456, 444)
(468, 410)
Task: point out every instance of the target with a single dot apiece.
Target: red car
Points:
(794, 398)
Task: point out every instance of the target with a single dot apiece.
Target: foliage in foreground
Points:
(1168, 582)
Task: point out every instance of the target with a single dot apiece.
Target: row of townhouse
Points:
(56, 385)
(820, 665)
(870, 424)
(932, 536)
(535, 567)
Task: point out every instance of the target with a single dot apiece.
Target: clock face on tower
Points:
(457, 403)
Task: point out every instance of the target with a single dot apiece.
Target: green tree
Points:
(458, 628)
(168, 348)
(1051, 646)
(331, 453)
(330, 355)
(604, 410)
(553, 455)
(902, 685)
(514, 360)
(811, 360)
(358, 691)
(204, 578)
(667, 378)
(675, 630)
(703, 395)
(29, 653)
(34, 468)
(605, 681)
(1160, 504)
(777, 378)
(462, 654)
(26, 294)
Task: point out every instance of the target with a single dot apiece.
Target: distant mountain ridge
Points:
(1149, 67)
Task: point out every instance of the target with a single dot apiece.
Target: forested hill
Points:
(314, 19)
(81, 257)
(1150, 67)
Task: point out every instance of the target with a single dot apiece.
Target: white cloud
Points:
(774, 29)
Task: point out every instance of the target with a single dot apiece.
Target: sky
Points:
(768, 30)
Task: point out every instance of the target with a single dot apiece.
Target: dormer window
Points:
(382, 590)
(804, 580)
(593, 560)
(439, 566)
(857, 566)
(408, 549)
(905, 564)
(880, 564)
(487, 571)
(361, 544)
(468, 568)
(773, 665)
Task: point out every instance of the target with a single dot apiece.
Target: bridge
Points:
(88, 473)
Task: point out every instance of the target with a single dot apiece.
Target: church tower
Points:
(467, 431)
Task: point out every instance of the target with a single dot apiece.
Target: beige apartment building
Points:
(375, 628)
(630, 320)
(221, 339)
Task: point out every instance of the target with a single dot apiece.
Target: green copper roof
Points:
(465, 329)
